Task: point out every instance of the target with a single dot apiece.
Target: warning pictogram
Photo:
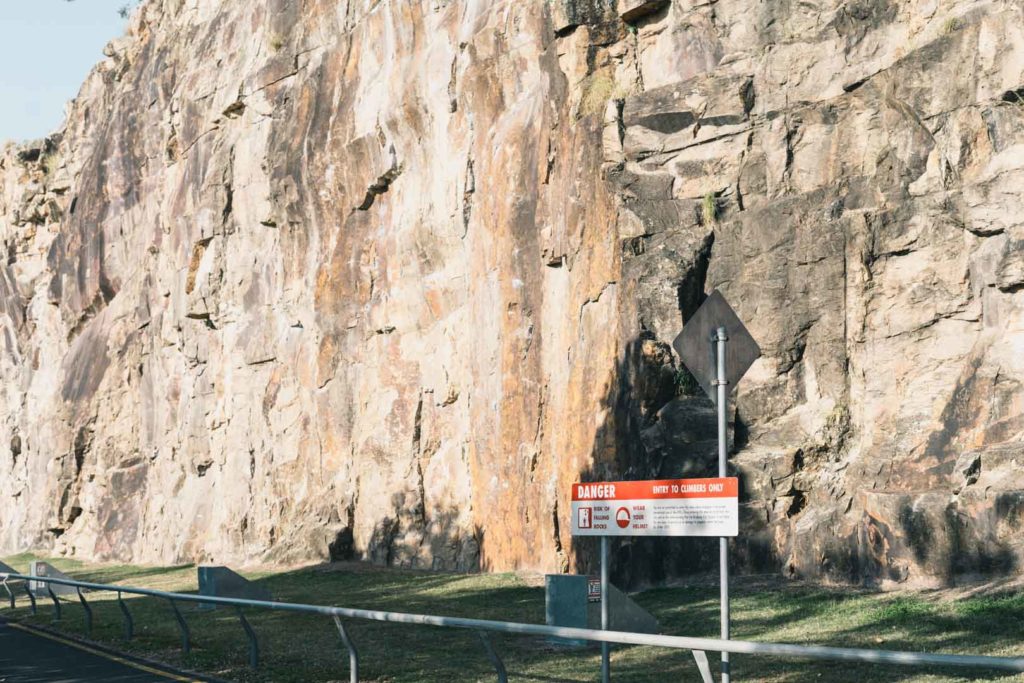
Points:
(622, 518)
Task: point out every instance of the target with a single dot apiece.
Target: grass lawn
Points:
(306, 648)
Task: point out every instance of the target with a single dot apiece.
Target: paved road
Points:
(29, 658)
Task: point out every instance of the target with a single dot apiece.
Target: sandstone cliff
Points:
(381, 278)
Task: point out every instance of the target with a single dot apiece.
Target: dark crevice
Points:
(1014, 96)
(620, 120)
(235, 109)
(82, 446)
(651, 11)
(467, 196)
(382, 184)
(204, 317)
(690, 292)
(74, 513)
(747, 96)
(798, 503)
(566, 31)
(229, 200)
(850, 87)
(556, 531)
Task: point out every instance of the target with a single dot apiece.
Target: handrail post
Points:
(353, 655)
(31, 597)
(88, 613)
(492, 654)
(703, 666)
(56, 602)
(254, 644)
(186, 646)
(129, 623)
(9, 592)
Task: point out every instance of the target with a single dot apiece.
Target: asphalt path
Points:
(27, 657)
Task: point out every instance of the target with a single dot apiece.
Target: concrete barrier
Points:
(575, 601)
(40, 568)
(222, 582)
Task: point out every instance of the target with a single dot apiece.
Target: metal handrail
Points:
(895, 657)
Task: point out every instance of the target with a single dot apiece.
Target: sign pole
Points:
(722, 384)
(606, 673)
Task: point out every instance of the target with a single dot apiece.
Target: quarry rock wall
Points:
(307, 279)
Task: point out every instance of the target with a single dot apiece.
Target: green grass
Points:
(305, 648)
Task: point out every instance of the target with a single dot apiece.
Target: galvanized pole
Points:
(723, 446)
(606, 674)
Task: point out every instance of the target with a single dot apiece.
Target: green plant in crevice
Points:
(686, 383)
(598, 88)
(950, 25)
(709, 209)
(50, 162)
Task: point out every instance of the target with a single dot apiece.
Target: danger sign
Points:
(669, 507)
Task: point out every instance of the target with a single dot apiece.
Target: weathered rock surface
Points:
(380, 279)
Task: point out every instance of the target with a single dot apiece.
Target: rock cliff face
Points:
(381, 278)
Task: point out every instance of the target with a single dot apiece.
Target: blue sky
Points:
(46, 50)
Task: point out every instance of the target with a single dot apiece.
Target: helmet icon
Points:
(622, 517)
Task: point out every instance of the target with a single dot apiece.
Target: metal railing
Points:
(483, 627)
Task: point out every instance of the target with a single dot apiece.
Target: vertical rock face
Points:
(380, 279)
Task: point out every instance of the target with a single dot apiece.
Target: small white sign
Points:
(665, 507)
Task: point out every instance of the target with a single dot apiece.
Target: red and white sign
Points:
(667, 507)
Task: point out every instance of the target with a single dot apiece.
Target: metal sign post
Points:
(718, 366)
(722, 384)
(606, 673)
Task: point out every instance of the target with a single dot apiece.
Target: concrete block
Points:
(225, 583)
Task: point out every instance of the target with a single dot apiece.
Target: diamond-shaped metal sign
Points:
(696, 344)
